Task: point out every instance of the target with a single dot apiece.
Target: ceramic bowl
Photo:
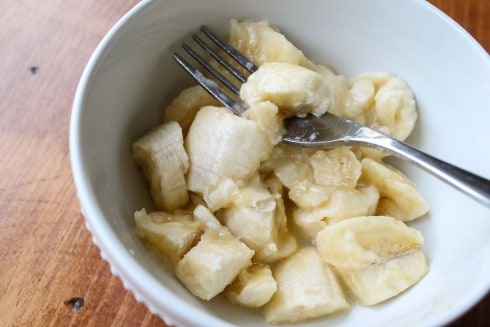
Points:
(131, 77)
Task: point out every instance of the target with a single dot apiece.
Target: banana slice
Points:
(378, 257)
(161, 156)
(306, 194)
(171, 234)
(296, 90)
(399, 197)
(338, 167)
(266, 115)
(290, 164)
(341, 204)
(222, 145)
(383, 102)
(338, 88)
(305, 289)
(258, 219)
(252, 220)
(253, 287)
(259, 42)
(184, 107)
(215, 261)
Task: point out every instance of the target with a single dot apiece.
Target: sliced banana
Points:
(306, 289)
(215, 261)
(238, 179)
(383, 102)
(161, 156)
(222, 145)
(265, 114)
(378, 257)
(252, 220)
(338, 86)
(171, 234)
(184, 107)
(338, 167)
(261, 43)
(257, 218)
(306, 194)
(399, 197)
(253, 287)
(290, 164)
(296, 90)
(341, 204)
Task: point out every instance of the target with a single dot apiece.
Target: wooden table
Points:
(47, 259)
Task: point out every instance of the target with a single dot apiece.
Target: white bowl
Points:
(131, 76)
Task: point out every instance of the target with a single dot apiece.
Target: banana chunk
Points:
(215, 261)
(261, 43)
(221, 145)
(341, 204)
(337, 167)
(306, 289)
(383, 102)
(265, 114)
(161, 156)
(257, 218)
(399, 197)
(171, 234)
(253, 287)
(296, 90)
(185, 106)
(378, 257)
(291, 165)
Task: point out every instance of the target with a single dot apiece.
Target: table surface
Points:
(47, 260)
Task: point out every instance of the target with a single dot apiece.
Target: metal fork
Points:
(326, 131)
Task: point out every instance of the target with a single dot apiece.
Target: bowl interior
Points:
(132, 76)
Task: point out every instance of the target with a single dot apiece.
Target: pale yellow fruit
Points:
(266, 115)
(337, 167)
(221, 145)
(378, 257)
(253, 287)
(161, 156)
(306, 194)
(213, 263)
(171, 234)
(296, 90)
(341, 204)
(305, 289)
(259, 42)
(384, 102)
(338, 88)
(399, 197)
(257, 218)
(291, 164)
(184, 107)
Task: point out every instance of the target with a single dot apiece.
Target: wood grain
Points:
(46, 253)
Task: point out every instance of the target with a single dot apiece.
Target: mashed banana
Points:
(274, 226)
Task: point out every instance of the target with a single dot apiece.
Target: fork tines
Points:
(209, 85)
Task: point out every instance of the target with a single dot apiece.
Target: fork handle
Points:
(473, 185)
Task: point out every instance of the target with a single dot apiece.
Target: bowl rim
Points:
(112, 249)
